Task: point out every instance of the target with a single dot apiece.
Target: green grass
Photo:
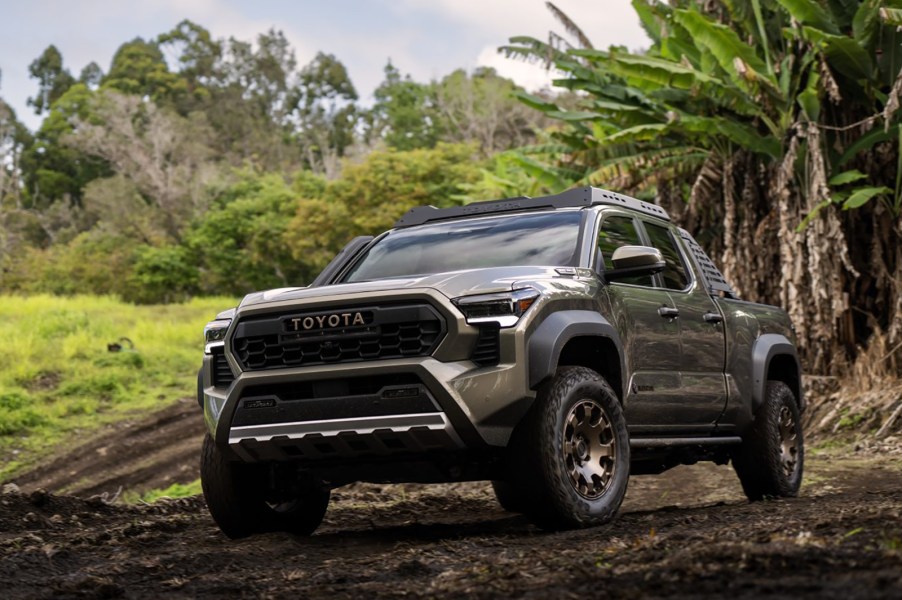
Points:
(176, 490)
(57, 378)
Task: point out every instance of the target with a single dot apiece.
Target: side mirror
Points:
(633, 261)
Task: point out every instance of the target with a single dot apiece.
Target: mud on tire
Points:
(569, 460)
(771, 459)
(236, 492)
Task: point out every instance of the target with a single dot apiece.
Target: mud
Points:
(687, 533)
(133, 455)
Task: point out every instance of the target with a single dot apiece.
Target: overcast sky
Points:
(425, 38)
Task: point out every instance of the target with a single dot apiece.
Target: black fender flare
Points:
(764, 350)
(200, 388)
(549, 338)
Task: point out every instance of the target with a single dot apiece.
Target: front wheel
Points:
(571, 455)
(239, 498)
(771, 459)
(507, 496)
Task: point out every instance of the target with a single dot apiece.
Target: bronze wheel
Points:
(771, 459)
(789, 442)
(570, 456)
(589, 449)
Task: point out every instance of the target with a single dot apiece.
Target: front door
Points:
(642, 314)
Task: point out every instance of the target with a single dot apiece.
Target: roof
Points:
(576, 198)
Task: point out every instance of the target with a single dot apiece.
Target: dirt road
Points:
(688, 533)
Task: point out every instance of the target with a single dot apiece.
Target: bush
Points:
(165, 274)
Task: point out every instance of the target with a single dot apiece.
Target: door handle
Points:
(712, 317)
(668, 312)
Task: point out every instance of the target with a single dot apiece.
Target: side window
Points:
(674, 274)
(616, 232)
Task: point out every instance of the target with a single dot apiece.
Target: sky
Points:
(424, 38)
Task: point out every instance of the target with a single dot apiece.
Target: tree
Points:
(766, 116)
(53, 172)
(371, 195)
(482, 107)
(91, 75)
(240, 240)
(405, 114)
(326, 114)
(163, 154)
(54, 80)
(139, 69)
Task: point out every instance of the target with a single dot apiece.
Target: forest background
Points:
(195, 166)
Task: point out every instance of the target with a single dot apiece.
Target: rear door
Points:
(703, 389)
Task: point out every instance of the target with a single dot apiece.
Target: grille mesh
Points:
(395, 335)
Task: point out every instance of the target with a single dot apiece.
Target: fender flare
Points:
(549, 338)
(764, 350)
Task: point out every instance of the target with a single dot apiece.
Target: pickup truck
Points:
(554, 346)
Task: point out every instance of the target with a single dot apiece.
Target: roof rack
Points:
(575, 198)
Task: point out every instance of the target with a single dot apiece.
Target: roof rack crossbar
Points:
(575, 198)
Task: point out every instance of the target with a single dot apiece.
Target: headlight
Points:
(505, 308)
(215, 332)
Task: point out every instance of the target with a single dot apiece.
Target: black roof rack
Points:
(575, 198)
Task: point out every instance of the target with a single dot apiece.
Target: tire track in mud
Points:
(134, 455)
(686, 533)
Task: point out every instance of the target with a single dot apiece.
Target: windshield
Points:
(543, 239)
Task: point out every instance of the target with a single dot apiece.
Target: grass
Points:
(58, 380)
(176, 490)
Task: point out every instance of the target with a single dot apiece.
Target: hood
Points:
(452, 284)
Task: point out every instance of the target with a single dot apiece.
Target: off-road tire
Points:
(234, 492)
(538, 461)
(760, 462)
(507, 496)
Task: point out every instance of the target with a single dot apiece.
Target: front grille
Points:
(389, 332)
(487, 351)
(222, 373)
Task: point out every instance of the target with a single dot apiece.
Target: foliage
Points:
(93, 261)
(57, 377)
(404, 115)
(371, 195)
(176, 490)
(462, 107)
(162, 274)
(53, 171)
(52, 77)
(139, 69)
(239, 242)
(762, 114)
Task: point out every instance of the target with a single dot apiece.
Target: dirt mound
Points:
(687, 533)
(842, 410)
(135, 455)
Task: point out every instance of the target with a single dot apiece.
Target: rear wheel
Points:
(771, 459)
(570, 457)
(242, 503)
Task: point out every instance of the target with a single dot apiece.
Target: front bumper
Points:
(475, 407)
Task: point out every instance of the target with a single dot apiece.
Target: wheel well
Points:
(784, 368)
(596, 353)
